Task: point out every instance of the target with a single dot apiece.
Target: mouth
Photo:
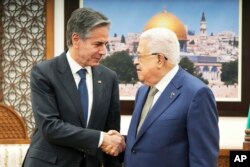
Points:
(98, 58)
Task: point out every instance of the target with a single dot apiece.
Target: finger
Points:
(114, 152)
(107, 149)
(113, 132)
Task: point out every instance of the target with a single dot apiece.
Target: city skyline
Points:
(220, 15)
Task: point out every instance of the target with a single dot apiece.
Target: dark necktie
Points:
(147, 106)
(82, 87)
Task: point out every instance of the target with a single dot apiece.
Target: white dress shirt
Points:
(75, 67)
(163, 83)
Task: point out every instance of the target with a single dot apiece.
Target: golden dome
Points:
(170, 21)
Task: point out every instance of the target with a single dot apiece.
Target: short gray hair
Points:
(165, 41)
(82, 21)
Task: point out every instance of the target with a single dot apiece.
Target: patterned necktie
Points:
(147, 106)
(82, 87)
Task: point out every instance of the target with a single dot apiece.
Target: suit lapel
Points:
(165, 100)
(66, 78)
(168, 96)
(140, 100)
(98, 94)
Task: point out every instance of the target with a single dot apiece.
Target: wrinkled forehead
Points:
(143, 46)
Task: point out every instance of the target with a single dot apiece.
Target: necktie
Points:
(147, 106)
(82, 87)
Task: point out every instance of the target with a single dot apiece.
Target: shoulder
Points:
(48, 68)
(190, 84)
(190, 80)
(104, 71)
(48, 65)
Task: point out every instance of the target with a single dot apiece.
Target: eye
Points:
(100, 44)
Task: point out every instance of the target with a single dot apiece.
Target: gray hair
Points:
(164, 41)
(82, 21)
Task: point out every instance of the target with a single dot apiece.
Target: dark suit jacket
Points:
(181, 129)
(59, 138)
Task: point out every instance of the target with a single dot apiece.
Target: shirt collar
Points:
(74, 66)
(166, 79)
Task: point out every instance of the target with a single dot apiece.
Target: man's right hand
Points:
(113, 143)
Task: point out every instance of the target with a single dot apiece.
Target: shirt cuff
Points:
(100, 140)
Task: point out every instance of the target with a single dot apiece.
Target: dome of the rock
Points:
(170, 21)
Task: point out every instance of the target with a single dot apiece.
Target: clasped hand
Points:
(113, 143)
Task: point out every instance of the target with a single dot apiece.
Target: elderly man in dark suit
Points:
(75, 101)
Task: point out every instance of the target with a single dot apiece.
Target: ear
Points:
(75, 39)
(161, 59)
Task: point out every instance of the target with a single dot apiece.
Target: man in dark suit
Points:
(67, 133)
(181, 126)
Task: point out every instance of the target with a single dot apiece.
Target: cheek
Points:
(86, 53)
(145, 72)
(149, 70)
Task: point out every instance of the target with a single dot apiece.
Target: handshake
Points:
(113, 143)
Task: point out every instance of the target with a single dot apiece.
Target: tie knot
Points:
(153, 91)
(82, 73)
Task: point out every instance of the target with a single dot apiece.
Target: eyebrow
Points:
(100, 43)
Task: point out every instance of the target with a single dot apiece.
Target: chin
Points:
(140, 79)
(95, 64)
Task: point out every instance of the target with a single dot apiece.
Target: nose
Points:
(136, 61)
(103, 49)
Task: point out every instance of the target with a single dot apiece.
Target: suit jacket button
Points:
(134, 151)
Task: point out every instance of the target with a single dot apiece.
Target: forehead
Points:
(99, 33)
(143, 46)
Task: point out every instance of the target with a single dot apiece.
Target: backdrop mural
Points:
(209, 32)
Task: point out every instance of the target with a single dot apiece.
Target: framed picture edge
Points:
(228, 108)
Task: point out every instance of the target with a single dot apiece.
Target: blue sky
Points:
(132, 15)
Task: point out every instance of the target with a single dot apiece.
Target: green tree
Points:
(123, 65)
(123, 40)
(235, 42)
(192, 42)
(229, 72)
(187, 65)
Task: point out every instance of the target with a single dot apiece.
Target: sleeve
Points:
(113, 123)
(49, 121)
(203, 130)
